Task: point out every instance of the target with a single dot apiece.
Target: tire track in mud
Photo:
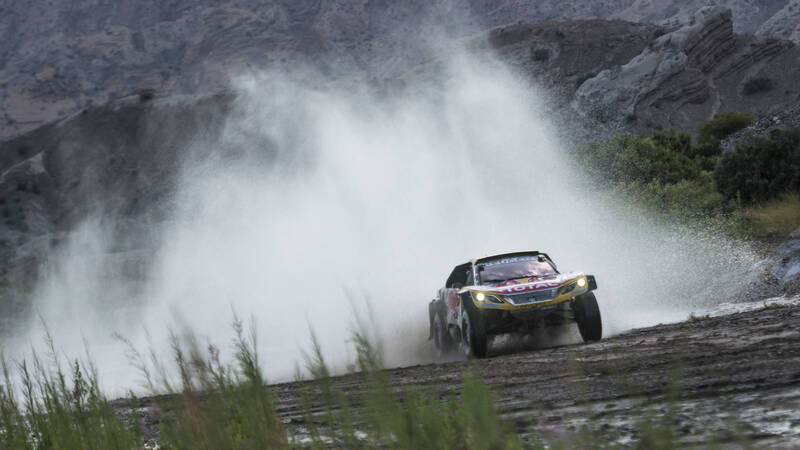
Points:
(730, 378)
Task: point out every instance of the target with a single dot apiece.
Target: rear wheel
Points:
(473, 335)
(587, 314)
(441, 338)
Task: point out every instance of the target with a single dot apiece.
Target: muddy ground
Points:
(734, 378)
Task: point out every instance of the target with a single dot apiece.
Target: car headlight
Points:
(582, 282)
(481, 297)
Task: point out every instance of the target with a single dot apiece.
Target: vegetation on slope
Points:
(751, 191)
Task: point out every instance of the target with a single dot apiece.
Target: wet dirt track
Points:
(737, 377)
(729, 380)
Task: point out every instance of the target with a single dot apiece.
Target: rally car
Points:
(510, 293)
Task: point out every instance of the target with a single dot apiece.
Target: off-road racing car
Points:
(510, 293)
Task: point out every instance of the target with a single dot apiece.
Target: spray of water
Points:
(318, 198)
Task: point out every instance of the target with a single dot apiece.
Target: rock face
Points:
(57, 58)
(784, 24)
(777, 274)
(785, 261)
(117, 160)
(563, 55)
(688, 75)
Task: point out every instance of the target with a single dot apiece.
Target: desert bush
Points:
(674, 140)
(627, 158)
(219, 406)
(761, 167)
(710, 132)
(677, 141)
(684, 201)
(58, 408)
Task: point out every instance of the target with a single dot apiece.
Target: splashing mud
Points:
(319, 197)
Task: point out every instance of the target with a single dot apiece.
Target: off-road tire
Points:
(441, 337)
(474, 342)
(587, 315)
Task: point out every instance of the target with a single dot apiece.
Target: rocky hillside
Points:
(57, 58)
(636, 77)
(686, 76)
(112, 157)
(116, 160)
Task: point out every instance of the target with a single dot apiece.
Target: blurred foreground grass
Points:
(211, 405)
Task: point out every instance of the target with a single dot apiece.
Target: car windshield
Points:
(512, 268)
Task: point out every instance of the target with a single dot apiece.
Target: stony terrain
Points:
(57, 58)
(733, 378)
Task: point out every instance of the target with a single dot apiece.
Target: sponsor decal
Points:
(452, 298)
(518, 289)
(509, 260)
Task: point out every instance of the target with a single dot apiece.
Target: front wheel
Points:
(473, 335)
(587, 314)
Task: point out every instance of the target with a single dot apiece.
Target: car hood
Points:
(524, 285)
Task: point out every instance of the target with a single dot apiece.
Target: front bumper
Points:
(535, 299)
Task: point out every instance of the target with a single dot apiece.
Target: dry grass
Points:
(775, 218)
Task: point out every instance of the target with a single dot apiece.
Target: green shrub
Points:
(58, 408)
(665, 158)
(674, 141)
(761, 167)
(710, 132)
(681, 200)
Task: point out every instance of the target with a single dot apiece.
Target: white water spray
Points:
(317, 198)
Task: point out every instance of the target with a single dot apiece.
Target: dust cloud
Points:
(320, 198)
